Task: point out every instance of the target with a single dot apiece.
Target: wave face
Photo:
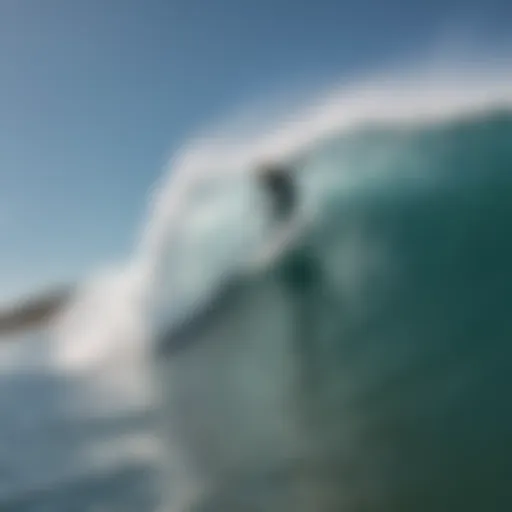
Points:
(366, 364)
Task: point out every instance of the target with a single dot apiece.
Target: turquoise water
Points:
(367, 368)
(370, 364)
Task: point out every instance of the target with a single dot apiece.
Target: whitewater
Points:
(381, 386)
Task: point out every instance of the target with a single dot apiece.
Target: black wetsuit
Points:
(277, 181)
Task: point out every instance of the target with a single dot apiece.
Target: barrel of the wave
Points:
(411, 412)
(369, 368)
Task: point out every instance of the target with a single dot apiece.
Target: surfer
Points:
(278, 183)
(299, 269)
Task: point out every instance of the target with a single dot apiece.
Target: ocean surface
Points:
(378, 328)
(59, 451)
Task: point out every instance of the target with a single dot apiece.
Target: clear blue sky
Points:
(95, 94)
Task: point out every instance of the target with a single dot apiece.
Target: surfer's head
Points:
(277, 181)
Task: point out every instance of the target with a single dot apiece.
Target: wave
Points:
(410, 242)
(274, 382)
(206, 218)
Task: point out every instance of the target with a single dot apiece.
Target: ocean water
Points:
(59, 451)
(357, 359)
(367, 367)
